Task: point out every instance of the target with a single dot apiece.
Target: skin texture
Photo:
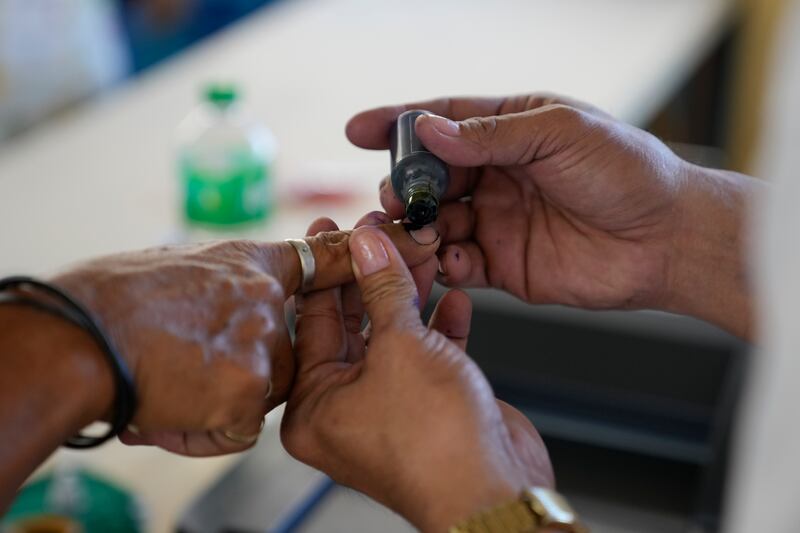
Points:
(401, 413)
(551, 200)
(554, 201)
(201, 328)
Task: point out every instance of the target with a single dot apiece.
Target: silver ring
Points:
(307, 263)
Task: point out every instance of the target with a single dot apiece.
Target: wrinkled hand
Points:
(202, 329)
(407, 417)
(553, 203)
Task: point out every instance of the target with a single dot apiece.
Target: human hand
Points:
(406, 418)
(202, 329)
(556, 202)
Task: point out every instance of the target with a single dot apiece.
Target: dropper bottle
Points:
(419, 178)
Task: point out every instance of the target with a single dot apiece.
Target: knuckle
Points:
(540, 99)
(434, 342)
(332, 247)
(480, 129)
(272, 289)
(268, 321)
(564, 114)
(225, 249)
(254, 285)
(225, 417)
(256, 382)
(242, 406)
(247, 248)
(226, 287)
(390, 286)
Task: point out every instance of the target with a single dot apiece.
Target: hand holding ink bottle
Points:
(419, 178)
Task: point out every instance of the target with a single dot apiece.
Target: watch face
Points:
(552, 509)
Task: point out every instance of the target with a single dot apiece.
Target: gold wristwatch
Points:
(537, 509)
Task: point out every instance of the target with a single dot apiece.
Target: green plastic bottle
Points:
(226, 162)
(73, 500)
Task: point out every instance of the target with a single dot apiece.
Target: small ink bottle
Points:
(419, 178)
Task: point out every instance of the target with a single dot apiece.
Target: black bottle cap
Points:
(422, 209)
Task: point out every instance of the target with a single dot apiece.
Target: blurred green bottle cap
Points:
(221, 94)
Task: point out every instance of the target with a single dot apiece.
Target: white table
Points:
(102, 178)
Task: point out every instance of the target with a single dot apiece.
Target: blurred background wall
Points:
(57, 54)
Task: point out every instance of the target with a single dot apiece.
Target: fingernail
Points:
(424, 236)
(386, 190)
(445, 126)
(368, 252)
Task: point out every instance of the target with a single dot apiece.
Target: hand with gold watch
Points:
(400, 412)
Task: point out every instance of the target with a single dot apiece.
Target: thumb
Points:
(387, 289)
(510, 139)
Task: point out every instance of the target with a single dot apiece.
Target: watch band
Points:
(537, 509)
(513, 517)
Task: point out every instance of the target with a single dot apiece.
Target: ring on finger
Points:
(308, 265)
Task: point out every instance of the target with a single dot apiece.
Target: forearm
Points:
(709, 276)
(53, 381)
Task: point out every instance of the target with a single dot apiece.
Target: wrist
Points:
(707, 275)
(505, 509)
(53, 383)
(58, 363)
(437, 506)
(437, 513)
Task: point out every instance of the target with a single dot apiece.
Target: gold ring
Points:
(243, 439)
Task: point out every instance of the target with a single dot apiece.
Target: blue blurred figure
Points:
(55, 54)
(157, 29)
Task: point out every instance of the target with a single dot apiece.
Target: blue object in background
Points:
(153, 40)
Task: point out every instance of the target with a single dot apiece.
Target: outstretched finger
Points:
(453, 317)
(463, 265)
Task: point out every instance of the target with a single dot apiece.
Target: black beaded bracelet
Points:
(71, 310)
